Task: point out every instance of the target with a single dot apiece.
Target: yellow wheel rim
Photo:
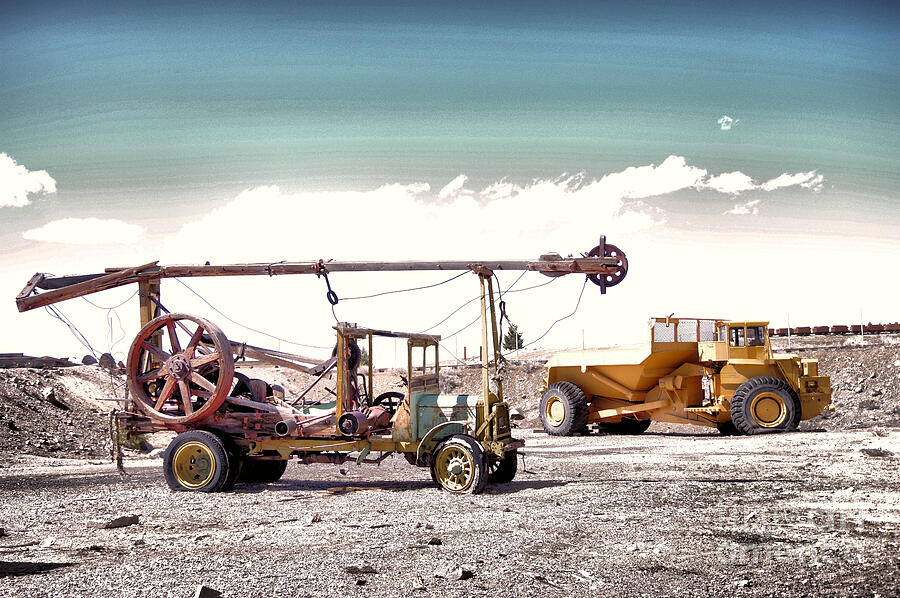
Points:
(768, 409)
(455, 468)
(554, 411)
(194, 465)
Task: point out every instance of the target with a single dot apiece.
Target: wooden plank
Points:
(102, 283)
(29, 287)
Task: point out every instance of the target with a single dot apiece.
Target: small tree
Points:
(512, 340)
(363, 356)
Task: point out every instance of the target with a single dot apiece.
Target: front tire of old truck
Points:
(459, 465)
(564, 409)
(763, 405)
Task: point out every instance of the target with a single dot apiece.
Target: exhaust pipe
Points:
(353, 423)
(287, 427)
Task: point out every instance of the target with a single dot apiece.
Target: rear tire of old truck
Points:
(198, 461)
(564, 409)
(764, 405)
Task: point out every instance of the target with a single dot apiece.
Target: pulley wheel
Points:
(616, 273)
(180, 369)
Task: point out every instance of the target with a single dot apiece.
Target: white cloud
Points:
(807, 180)
(86, 231)
(454, 188)
(17, 183)
(726, 122)
(733, 183)
(750, 208)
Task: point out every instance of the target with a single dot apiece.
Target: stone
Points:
(156, 453)
(460, 574)
(107, 362)
(515, 414)
(365, 569)
(876, 393)
(418, 584)
(88, 360)
(123, 521)
(435, 541)
(314, 518)
(206, 592)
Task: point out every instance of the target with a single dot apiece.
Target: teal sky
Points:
(156, 115)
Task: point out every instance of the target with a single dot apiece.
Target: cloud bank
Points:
(17, 183)
(86, 231)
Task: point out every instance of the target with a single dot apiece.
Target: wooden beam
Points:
(102, 283)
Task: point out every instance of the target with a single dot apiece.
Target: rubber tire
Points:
(261, 471)
(503, 471)
(222, 459)
(627, 427)
(743, 396)
(479, 460)
(576, 415)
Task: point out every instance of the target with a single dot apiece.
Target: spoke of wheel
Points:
(195, 340)
(156, 351)
(151, 375)
(173, 338)
(196, 363)
(202, 382)
(185, 396)
(167, 390)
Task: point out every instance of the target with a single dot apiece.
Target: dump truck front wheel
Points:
(197, 460)
(459, 465)
(765, 404)
(564, 409)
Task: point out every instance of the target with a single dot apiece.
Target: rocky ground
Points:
(674, 512)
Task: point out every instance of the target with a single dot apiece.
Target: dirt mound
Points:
(55, 412)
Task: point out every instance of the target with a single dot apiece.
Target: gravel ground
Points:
(660, 515)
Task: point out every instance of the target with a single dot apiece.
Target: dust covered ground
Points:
(659, 515)
(676, 511)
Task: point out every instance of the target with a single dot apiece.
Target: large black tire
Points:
(197, 461)
(459, 465)
(764, 405)
(564, 409)
(627, 427)
(503, 471)
(261, 471)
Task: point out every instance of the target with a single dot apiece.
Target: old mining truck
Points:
(694, 371)
(181, 377)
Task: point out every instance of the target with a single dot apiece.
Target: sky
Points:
(744, 158)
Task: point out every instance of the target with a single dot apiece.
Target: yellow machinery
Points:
(705, 372)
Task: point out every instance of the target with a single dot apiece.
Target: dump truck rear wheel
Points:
(197, 460)
(564, 409)
(628, 426)
(765, 404)
(502, 471)
(459, 465)
(262, 471)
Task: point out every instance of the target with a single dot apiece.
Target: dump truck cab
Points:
(707, 372)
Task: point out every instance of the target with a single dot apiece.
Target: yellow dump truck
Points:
(705, 372)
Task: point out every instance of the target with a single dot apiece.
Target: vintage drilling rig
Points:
(181, 377)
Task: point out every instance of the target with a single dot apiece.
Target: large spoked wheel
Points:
(564, 409)
(502, 471)
(262, 471)
(180, 368)
(459, 465)
(197, 460)
(765, 404)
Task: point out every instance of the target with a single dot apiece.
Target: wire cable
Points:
(72, 328)
(114, 306)
(278, 338)
(430, 286)
(577, 304)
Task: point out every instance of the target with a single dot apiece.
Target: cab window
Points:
(756, 336)
(736, 336)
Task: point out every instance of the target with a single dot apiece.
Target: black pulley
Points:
(613, 277)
